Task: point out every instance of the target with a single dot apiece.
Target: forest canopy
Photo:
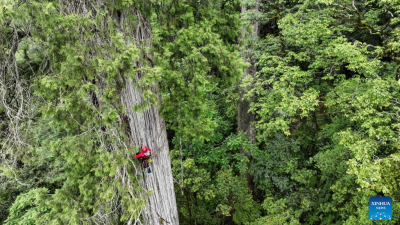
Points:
(256, 112)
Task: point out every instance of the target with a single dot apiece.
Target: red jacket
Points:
(143, 152)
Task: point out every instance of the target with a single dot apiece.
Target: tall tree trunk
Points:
(244, 117)
(148, 127)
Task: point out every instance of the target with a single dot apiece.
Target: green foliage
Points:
(278, 213)
(29, 207)
(76, 144)
(210, 182)
(234, 195)
(332, 66)
(196, 60)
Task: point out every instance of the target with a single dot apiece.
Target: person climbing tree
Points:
(143, 156)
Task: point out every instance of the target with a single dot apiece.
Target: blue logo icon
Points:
(380, 208)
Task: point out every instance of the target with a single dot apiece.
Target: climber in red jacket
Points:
(143, 157)
(145, 153)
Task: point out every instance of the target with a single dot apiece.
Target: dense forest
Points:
(257, 112)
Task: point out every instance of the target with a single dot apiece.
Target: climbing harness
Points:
(145, 162)
(144, 158)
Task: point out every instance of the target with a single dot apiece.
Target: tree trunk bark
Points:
(148, 127)
(244, 117)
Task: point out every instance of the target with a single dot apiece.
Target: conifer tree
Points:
(83, 66)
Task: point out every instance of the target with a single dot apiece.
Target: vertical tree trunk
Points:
(244, 117)
(148, 127)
